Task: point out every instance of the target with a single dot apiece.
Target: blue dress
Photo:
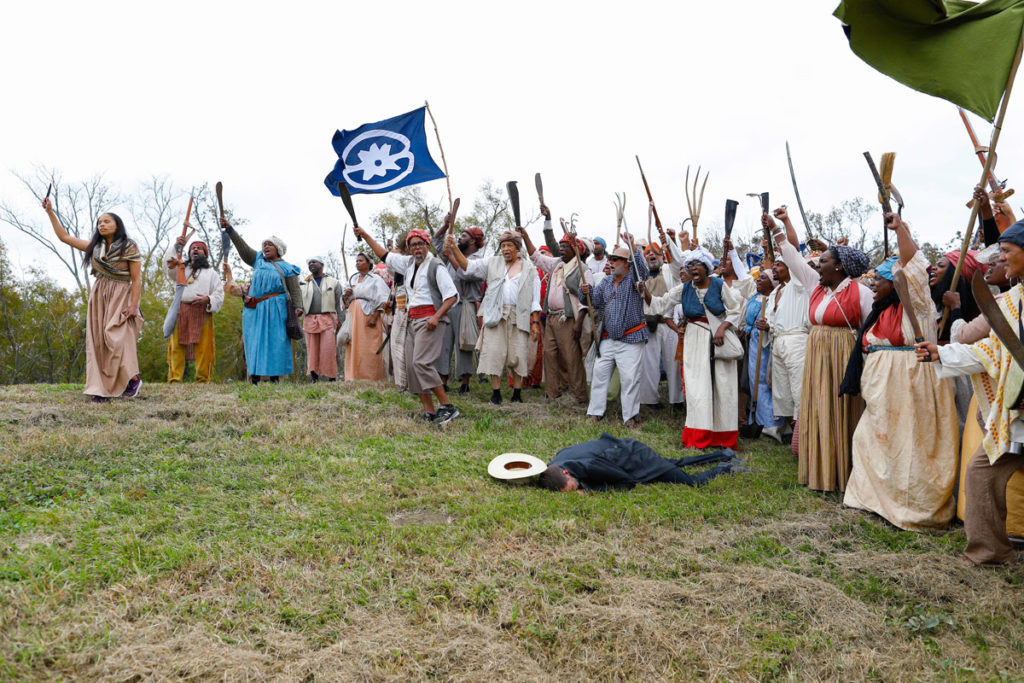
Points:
(268, 351)
(764, 414)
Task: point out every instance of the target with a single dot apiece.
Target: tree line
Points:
(42, 323)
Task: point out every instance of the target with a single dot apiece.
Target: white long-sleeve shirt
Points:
(510, 292)
(418, 288)
(205, 282)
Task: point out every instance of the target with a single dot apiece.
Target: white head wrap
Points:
(315, 258)
(989, 254)
(700, 254)
(279, 243)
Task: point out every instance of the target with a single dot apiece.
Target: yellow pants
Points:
(205, 356)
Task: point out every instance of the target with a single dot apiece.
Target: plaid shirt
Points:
(622, 307)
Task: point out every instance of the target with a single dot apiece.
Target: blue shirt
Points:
(622, 306)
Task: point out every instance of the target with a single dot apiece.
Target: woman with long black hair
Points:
(113, 318)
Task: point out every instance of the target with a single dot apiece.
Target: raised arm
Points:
(454, 254)
(783, 216)
(798, 267)
(549, 232)
(527, 242)
(245, 252)
(904, 240)
(62, 234)
(380, 251)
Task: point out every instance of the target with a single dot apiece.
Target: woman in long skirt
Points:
(113, 318)
(710, 308)
(838, 305)
(367, 293)
(905, 445)
(275, 282)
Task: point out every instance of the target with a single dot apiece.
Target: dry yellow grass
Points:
(320, 533)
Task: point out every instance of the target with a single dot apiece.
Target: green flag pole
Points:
(989, 163)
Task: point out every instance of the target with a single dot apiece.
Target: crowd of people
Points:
(850, 363)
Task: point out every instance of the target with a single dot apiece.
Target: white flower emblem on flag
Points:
(364, 163)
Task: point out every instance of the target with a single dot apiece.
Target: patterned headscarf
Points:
(702, 255)
(199, 243)
(419, 234)
(577, 243)
(855, 262)
(513, 237)
(477, 235)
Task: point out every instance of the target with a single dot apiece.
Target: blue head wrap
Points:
(884, 269)
(601, 240)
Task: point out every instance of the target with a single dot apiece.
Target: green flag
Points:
(959, 51)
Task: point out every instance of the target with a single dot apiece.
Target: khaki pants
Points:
(562, 359)
(985, 512)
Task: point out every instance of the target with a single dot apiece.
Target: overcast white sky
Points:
(251, 93)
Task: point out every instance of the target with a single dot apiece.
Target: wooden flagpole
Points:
(989, 163)
(443, 162)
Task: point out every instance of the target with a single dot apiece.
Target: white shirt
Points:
(371, 291)
(417, 289)
(958, 359)
(206, 281)
(510, 292)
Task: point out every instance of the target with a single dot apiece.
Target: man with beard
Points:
(460, 336)
(430, 294)
(192, 338)
(510, 311)
(321, 301)
(566, 316)
(598, 260)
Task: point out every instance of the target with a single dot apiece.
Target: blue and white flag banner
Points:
(383, 156)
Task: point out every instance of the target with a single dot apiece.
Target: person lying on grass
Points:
(612, 463)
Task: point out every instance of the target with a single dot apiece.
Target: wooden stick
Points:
(443, 162)
(989, 163)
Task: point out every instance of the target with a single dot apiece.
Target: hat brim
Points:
(515, 466)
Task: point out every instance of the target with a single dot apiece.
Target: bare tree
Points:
(156, 208)
(78, 207)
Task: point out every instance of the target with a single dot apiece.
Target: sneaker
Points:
(446, 414)
(132, 390)
(428, 417)
(100, 399)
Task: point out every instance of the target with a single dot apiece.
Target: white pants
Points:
(660, 350)
(627, 358)
(788, 354)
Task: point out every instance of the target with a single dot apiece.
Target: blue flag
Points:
(383, 156)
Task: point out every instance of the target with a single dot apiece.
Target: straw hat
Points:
(515, 466)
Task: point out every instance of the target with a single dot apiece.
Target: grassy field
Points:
(319, 532)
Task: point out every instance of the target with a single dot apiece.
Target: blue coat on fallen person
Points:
(613, 463)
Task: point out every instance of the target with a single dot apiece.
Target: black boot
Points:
(517, 396)
(496, 397)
